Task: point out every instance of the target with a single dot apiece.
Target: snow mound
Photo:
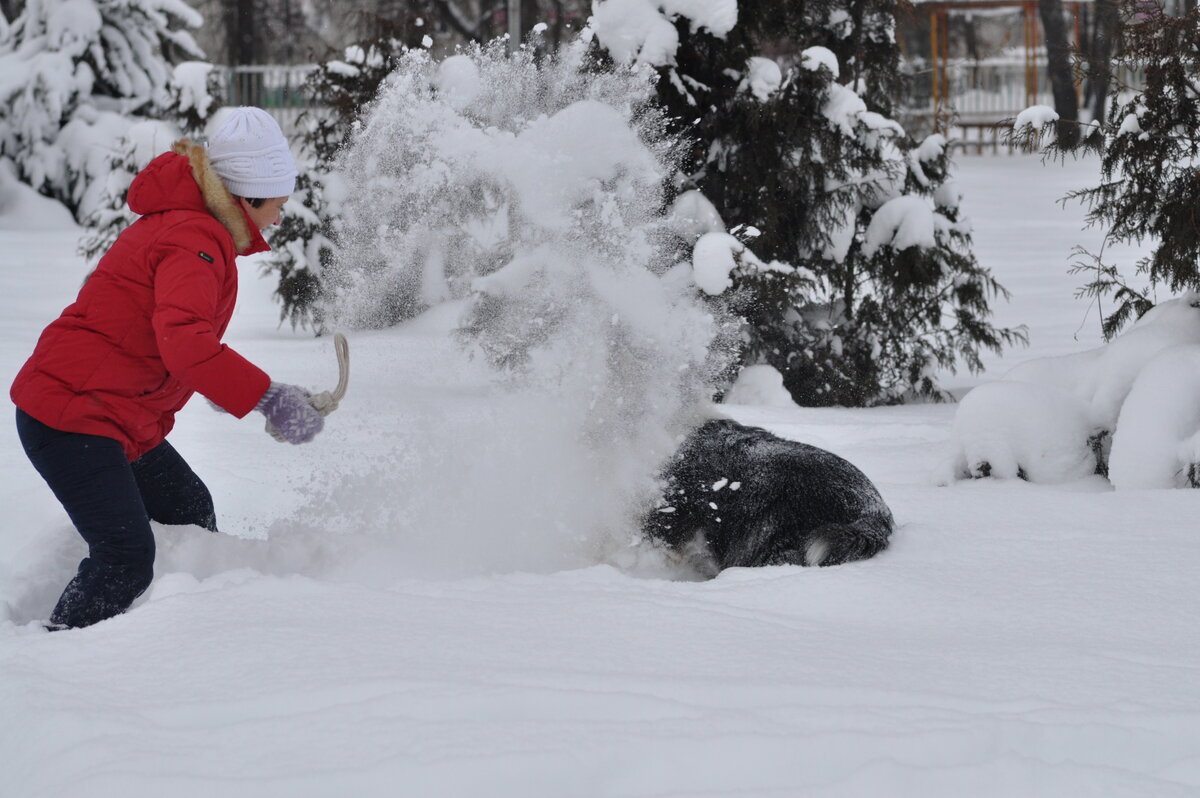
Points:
(22, 208)
(760, 385)
(1155, 442)
(1021, 429)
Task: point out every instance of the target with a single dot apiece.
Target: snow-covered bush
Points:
(71, 73)
(1011, 429)
(1102, 377)
(142, 142)
(799, 158)
(1157, 433)
(1116, 409)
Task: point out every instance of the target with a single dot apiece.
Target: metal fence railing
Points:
(276, 89)
(976, 93)
(980, 95)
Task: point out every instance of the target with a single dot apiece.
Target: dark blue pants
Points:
(111, 501)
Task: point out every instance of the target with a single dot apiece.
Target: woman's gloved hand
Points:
(288, 410)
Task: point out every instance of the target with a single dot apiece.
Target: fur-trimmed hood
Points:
(171, 182)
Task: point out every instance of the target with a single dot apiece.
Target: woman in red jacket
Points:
(98, 396)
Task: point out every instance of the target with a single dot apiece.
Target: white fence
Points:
(978, 91)
(979, 95)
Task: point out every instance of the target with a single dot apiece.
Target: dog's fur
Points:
(742, 496)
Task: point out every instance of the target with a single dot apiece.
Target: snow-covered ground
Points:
(410, 629)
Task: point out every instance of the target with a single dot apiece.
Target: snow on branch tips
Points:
(900, 223)
(718, 256)
(713, 259)
(763, 78)
(191, 80)
(815, 58)
(643, 31)
(1033, 125)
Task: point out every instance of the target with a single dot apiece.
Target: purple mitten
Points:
(288, 411)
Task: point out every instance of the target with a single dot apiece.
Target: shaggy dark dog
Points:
(740, 496)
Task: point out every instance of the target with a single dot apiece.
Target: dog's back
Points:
(759, 499)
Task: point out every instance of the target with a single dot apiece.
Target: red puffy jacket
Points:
(145, 331)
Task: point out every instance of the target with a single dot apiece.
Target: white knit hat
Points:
(252, 156)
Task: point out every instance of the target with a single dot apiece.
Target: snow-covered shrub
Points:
(1050, 417)
(71, 73)
(449, 183)
(804, 154)
(1159, 426)
(1102, 377)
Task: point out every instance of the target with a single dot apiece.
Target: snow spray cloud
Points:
(530, 192)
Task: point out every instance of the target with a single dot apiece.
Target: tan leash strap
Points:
(326, 402)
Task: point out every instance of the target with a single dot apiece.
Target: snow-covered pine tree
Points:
(802, 151)
(195, 93)
(1149, 184)
(303, 243)
(71, 73)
